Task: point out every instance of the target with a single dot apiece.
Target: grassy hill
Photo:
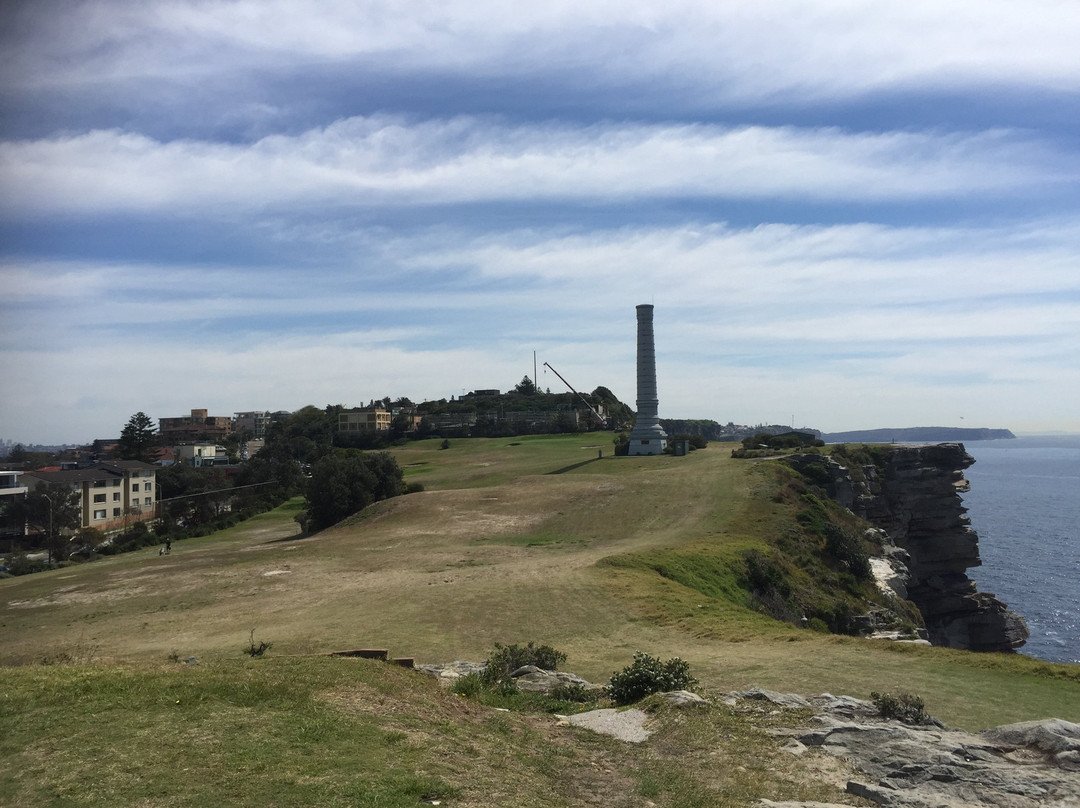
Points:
(519, 539)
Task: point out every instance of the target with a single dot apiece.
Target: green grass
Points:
(482, 462)
(318, 731)
(287, 733)
(538, 541)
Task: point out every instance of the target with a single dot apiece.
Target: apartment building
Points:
(194, 427)
(11, 490)
(201, 454)
(254, 422)
(111, 495)
(370, 419)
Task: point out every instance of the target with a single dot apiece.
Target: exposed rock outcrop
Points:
(1035, 763)
(528, 678)
(912, 493)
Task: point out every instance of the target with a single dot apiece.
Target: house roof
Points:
(110, 470)
(128, 464)
(76, 475)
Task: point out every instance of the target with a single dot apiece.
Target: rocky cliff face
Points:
(912, 493)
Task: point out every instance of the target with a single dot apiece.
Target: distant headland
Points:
(916, 434)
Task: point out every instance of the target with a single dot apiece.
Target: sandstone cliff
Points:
(912, 493)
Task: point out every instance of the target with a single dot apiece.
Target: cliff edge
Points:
(912, 493)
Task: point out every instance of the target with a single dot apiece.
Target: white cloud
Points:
(861, 326)
(416, 251)
(369, 162)
(722, 49)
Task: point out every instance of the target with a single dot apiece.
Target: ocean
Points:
(1024, 503)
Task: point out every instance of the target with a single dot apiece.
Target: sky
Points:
(847, 215)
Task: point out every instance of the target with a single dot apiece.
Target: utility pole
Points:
(50, 540)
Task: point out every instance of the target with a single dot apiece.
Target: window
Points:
(99, 514)
(99, 497)
(100, 483)
(147, 487)
(134, 488)
(115, 511)
(148, 501)
(116, 483)
(116, 496)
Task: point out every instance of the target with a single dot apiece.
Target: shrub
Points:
(347, 481)
(90, 537)
(848, 550)
(570, 691)
(905, 707)
(254, 650)
(647, 675)
(471, 685)
(763, 575)
(506, 659)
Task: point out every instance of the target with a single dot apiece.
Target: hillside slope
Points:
(512, 540)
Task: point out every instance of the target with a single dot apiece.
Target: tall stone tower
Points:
(647, 437)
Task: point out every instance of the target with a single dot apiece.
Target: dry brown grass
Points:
(509, 556)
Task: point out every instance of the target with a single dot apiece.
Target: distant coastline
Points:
(916, 434)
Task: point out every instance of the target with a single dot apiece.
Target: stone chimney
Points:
(647, 436)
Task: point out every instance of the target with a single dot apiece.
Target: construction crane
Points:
(603, 421)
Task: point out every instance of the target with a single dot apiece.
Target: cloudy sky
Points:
(848, 214)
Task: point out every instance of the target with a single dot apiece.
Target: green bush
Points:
(572, 692)
(849, 551)
(905, 707)
(470, 685)
(647, 675)
(347, 481)
(506, 659)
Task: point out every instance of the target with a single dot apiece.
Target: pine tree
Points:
(137, 438)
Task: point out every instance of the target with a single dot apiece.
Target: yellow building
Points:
(372, 419)
(111, 495)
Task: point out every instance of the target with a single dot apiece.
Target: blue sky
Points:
(853, 214)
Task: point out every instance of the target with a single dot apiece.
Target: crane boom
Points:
(592, 409)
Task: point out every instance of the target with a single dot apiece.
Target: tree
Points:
(526, 387)
(619, 415)
(90, 538)
(137, 438)
(193, 496)
(306, 435)
(28, 458)
(267, 467)
(347, 481)
(400, 426)
(51, 510)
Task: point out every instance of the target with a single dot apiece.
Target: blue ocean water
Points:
(1024, 503)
